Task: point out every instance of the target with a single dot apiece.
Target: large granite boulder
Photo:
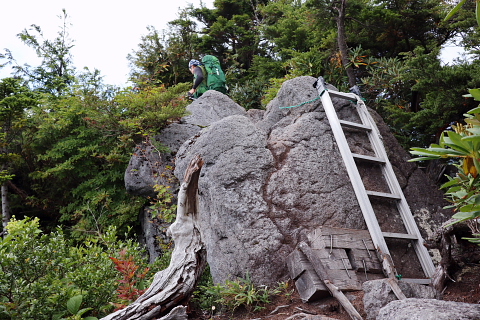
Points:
(149, 167)
(147, 164)
(271, 176)
(429, 309)
(379, 293)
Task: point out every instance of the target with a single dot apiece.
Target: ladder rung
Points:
(399, 235)
(354, 125)
(367, 158)
(383, 195)
(343, 95)
(418, 281)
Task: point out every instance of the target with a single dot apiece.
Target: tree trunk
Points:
(6, 214)
(342, 43)
(173, 286)
(442, 240)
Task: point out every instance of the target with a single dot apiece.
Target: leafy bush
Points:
(273, 89)
(163, 205)
(249, 94)
(40, 272)
(235, 294)
(133, 283)
(73, 307)
(83, 144)
(462, 146)
(147, 111)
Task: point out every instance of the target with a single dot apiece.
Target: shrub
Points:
(235, 294)
(40, 273)
(463, 147)
(249, 94)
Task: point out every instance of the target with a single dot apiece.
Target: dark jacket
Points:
(199, 81)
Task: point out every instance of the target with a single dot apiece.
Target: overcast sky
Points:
(104, 31)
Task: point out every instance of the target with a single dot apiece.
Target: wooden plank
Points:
(316, 239)
(355, 241)
(362, 259)
(339, 268)
(396, 289)
(345, 238)
(341, 279)
(337, 264)
(310, 287)
(333, 254)
(321, 272)
(297, 263)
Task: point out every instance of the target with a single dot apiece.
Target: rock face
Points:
(378, 293)
(270, 176)
(427, 309)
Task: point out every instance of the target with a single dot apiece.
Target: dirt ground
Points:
(465, 289)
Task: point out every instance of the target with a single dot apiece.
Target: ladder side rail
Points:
(355, 178)
(402, 204)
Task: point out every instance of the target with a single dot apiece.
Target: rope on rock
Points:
(303, 103)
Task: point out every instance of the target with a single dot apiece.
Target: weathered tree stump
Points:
(172, 287)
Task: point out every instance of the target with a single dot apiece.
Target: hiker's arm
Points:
(198, 77)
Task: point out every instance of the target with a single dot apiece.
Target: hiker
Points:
(208, 75)
(200, 79)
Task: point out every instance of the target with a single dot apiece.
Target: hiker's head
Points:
(193, 63)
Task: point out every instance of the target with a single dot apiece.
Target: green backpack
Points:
(215, 76)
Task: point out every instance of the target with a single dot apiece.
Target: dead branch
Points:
(172, 287)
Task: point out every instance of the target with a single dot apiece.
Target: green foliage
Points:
(15, 99)
(40, 273)
(202, 297)
(148, 111)
(462, 145)
(83, 144)
(163, 206)
(148, 62)
(56, 72)
(158, 60)
(84, 150)
(272, 90)
(230, 30)
(388, 28)
(235, 294)
(73, 307)
(295, 27)
(457, 8)
(164, 211)
(249, 93)
(415, 94)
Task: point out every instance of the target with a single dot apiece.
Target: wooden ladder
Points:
(363, 196)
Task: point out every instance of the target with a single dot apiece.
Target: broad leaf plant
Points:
(463, 146)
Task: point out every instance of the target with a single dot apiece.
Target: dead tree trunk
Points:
(6, 215)
(173, 286)
(442, 240)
